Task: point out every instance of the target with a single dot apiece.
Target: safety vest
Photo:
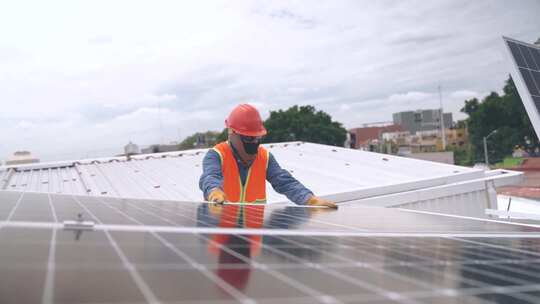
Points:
(254, 191)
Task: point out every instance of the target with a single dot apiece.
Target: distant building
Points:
(367, 136)
(131, 149)
(400, 138)
(21, 157)
(456, 137)
(421, 120)
(160, 148)
(426, 141)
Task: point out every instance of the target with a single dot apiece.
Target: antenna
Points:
(442, 120)
(161, 141)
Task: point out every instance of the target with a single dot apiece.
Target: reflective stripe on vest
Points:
(254, 191)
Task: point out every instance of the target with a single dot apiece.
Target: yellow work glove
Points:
(217, 196)
(317, 201)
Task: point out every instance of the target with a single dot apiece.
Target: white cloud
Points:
(410, 97)
(24, 124)
(464, 94)
(84, 81)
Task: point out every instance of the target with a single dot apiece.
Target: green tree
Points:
(200, 140)
(223, 136)
(470, 106)
(504, 113)
(304, 123)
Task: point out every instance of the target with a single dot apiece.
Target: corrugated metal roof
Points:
(331, 171)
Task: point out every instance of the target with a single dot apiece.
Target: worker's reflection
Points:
(291, 218)
(233, 259)
(233, 251)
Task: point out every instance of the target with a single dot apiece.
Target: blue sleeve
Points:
(283, 182)
(211, 177)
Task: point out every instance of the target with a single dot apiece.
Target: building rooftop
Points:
(344, 174)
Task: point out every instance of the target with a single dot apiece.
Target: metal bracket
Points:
(79, 224)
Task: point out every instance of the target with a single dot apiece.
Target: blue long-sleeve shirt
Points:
(280, 179)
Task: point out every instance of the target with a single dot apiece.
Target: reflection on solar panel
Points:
(143, 251)
(526, 75)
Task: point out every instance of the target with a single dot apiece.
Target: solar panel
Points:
(525, 71)
(257, 254)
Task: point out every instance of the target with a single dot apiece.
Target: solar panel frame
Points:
(524, 64)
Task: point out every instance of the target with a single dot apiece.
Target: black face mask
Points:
(251, 148)
(251, 144)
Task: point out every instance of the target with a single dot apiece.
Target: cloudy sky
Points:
(81, 79)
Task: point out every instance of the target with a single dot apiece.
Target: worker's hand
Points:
(317, 201)
(217, 196)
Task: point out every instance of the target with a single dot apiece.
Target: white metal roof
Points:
(339, 173)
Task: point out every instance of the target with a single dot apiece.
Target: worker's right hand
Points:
(217, 196)
(317, 201)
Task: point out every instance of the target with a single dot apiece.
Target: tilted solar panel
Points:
(300, 255)
(525, 71)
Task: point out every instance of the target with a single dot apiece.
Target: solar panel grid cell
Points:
(536, 56)
(516, 53)
(536, 79)
(115, 267)
(526, 53)
(529, 80)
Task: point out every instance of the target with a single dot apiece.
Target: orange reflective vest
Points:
(254, 191)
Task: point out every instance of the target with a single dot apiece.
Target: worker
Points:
(237, 170)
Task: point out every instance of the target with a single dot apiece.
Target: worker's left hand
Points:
(317, 201)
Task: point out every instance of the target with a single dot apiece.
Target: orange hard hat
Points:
(245, 120)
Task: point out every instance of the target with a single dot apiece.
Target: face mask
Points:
(251, 148)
